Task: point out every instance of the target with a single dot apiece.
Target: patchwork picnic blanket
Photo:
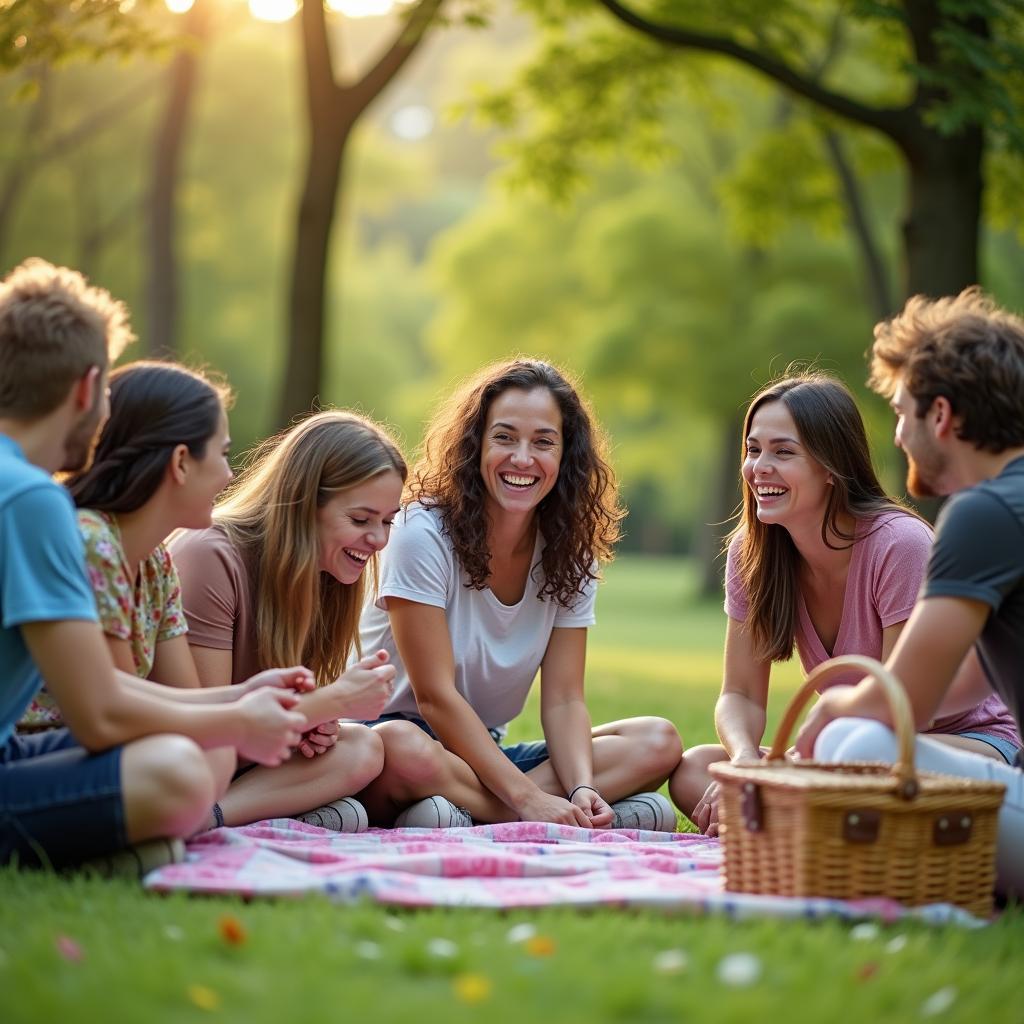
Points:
(519, 864)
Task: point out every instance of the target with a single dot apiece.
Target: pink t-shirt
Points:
(887, 568)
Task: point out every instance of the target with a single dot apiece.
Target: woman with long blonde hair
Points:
(279, 579)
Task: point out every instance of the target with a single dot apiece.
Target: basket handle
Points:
(899, 706)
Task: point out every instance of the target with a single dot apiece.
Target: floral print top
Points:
(143, 608)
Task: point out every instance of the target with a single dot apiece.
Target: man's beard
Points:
(80, 443)
(923, 475)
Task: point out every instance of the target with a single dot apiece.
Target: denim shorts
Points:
(525, 756)
(1007, 749)
(59, 804)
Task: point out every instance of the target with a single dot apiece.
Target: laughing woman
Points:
(278, 579)
(490, 576)
(822, 559)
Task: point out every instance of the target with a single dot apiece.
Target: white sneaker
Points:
(138, 860)
(649, 811)
(434, 812)
(344, 815)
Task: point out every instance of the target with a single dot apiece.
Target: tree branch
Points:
(891, 121)
(321, 88)
(403, 45)
(875, 271)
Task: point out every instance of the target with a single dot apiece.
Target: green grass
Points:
(655, 650)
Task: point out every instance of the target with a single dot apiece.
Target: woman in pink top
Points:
(822, 559)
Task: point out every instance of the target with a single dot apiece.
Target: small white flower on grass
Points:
(443, 949)
(896, 944)
(864, 932)
(173, 932)
(367, 950)
(739, 970)
(938, 1002)
(396, 924)
(521, 933)
(671, 961)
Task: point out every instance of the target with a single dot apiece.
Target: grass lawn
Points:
(82, 950)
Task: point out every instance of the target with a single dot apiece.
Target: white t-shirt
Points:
(498, 648)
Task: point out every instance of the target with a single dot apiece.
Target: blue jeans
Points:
(525, 756)
(1009, 751)
(59, 804)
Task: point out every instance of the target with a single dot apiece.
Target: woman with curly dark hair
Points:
(491, 575)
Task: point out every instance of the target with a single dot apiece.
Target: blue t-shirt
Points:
(42, 573)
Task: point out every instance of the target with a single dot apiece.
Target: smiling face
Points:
(206, 477)
(789, 486)
(521, 449)
(926, 464)
(354, 524)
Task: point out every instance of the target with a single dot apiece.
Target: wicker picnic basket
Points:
(850, 831)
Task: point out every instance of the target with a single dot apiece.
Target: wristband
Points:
(575, 789)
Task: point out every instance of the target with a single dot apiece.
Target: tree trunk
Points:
(307, 309)
(162, 287)
(940, 233)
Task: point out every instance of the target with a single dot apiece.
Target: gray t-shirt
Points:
(498, 648)
(979, 554)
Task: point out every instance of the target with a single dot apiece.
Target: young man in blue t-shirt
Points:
(138, 761)
(954, 372)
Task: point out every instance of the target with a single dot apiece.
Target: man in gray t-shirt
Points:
(954, 372)
(979, 556)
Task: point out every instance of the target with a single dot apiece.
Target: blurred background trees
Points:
(669, 224)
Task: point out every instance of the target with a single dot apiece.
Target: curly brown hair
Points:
(579, 518)
(965, 349)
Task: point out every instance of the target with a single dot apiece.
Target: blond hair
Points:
(303, 616)
(54, 326)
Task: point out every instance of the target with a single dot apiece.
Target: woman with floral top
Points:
(159, 464)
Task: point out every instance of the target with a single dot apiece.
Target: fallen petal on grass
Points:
(69, 949)
(443, 949)
(472, 988)
(864, 932)
(367, 950)
(671, 961)
(231, 930)
(540, 945)
(203, 996)
(395, 924)
(867, 971)
(896, 944)
(739, 970)
(521, 932)
(938, 1002)
(174, 933)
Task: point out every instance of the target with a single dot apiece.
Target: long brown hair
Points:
(579, 518)
(303, 616)
(831, 429)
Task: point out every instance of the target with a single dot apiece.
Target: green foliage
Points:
(55, 32)
(597, 88)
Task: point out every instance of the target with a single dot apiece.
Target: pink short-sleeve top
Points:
(887, 569)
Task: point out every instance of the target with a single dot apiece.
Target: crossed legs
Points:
(630, 756)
